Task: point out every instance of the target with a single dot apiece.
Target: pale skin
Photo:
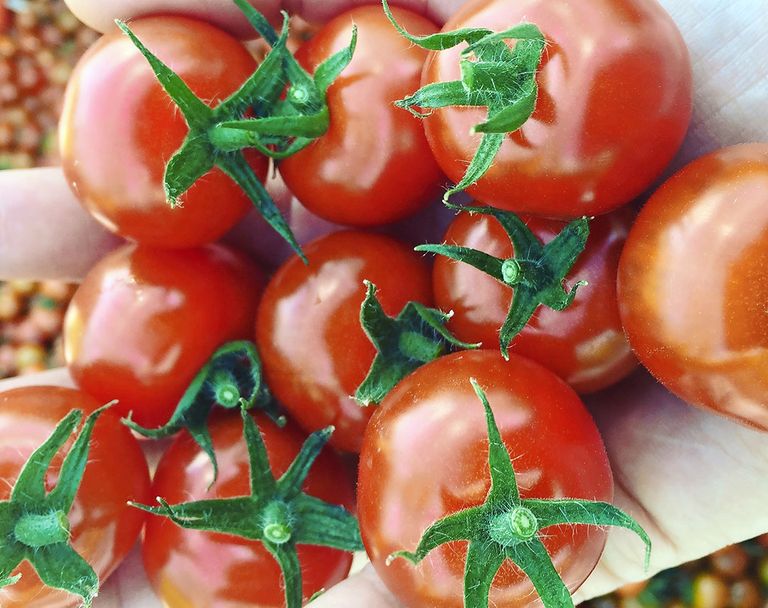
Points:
(694, 480)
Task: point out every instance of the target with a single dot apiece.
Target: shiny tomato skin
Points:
(308, 331)
(374, 165)
(145, 320)
(119, 128)
(692, 288)
(425, 456)
(614, 105)
(583, 344)
(194, 569)
(104, 527)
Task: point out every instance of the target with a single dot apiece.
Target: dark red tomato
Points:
(119, 128)
(583, 344)
(308, 331)
(425, 456)
(145, 320)
(104, 527)
(614, 104)
(692, 283)
(204, 569)
(373, 166)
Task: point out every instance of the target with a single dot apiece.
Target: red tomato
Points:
(425, 456)
(104, 528)
(373, 166)
(692, 287)
(205, 569)
(145, 320)
(614, 104)
(119, 129)
(308, 331)
(583, 344)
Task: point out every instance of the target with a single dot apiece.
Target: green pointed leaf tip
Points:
(537, 276)
(34, 524)
(276, 513)
(509, 527)
(403, 343)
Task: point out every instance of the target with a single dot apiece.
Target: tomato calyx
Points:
(536, 272)
(508, 527)
(493, 76)
(417, 335)
(232, 378)
(34, 524)
(277, 513)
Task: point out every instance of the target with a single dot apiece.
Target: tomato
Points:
(692, 288)
(314, 351)
(613, 107)
(104, 528)
(425, 455)
(583, 344)
(119, 128)
(203, 569)
(373, 166)
(144, 321)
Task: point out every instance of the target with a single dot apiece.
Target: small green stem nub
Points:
(278, 528)
(515, 526)
(40, 530)
(225, 389)
(511, 271)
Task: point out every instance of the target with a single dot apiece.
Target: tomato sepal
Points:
(507, 527)
(34, 525)
(277, 513)
(232, 378)
(536, 271)
(417, 335)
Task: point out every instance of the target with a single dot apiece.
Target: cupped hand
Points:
(694, 480)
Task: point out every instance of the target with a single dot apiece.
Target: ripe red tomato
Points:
(119, 129)
(425, 456)
(692, 288)
(583, 344)
(206, 569)
(613, 107)
(145, 320)
(104, 528)
(308, 331)
(373, 166)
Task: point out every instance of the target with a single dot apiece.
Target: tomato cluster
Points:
(482, 460)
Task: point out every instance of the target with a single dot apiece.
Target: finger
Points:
(52, 377)
(362, 589)
(44, 232)
(323, 10)
(693, 479)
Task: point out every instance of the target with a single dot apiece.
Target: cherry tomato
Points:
(425, 456)
(104, 528)
(308, 331)
(144, 321)
(583, 344)
(119, 129)
(205, 569)
(373, 166)
(613, 107)
(692, 288)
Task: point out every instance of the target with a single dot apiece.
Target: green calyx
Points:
(537, 271)
(277, 513)
(508, 527)
(493, 76)
(232, 378)
(33, 523)
(403, 343)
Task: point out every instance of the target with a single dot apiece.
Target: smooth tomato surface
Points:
(425, 456)
(692, 287)
(194, 569)
(104, 527)
(374, 165)
(614, 104)
(119, 128)
(144, 321)
(308, 331)
(583, 344)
